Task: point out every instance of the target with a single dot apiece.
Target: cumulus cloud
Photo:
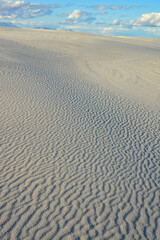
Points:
(23, 9)
(145, 20)
(79, 16)
(148, 19)
(74, 16)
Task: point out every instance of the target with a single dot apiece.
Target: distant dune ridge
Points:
(80, 139)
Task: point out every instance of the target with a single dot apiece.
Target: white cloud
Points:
(153, 31)
(101, 7)
(8, 17)
(79, 16)
(23, 9)
(147, 20)
(106, 29)
(74, 16)
(116, 22)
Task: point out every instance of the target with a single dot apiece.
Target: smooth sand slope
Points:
(80, 140)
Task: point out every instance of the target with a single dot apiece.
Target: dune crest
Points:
(80, 147)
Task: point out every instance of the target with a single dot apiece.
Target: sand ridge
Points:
(79, 160)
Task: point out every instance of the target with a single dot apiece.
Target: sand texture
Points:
(80, 136)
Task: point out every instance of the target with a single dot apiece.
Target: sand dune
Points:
(80, 136)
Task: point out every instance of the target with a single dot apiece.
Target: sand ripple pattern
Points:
(76, 161)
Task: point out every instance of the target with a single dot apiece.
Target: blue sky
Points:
(107, 17)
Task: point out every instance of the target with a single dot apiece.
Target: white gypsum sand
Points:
(80, 136)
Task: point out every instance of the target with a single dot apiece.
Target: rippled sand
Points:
(80, 135)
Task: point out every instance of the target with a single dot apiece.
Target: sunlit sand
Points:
(80, 136)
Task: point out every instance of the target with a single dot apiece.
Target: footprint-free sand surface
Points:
(80, 136)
